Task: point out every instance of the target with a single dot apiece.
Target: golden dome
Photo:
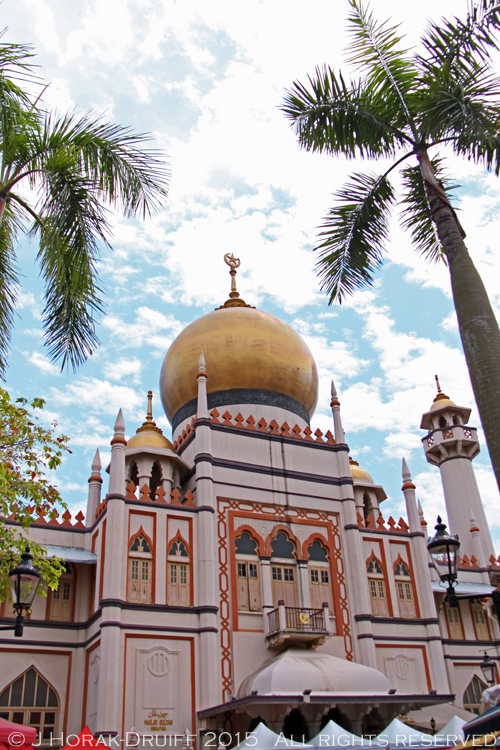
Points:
(244, 349)
(441, 399)
(149, 434)
(357, 472)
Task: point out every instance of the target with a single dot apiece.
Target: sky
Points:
(206, 80)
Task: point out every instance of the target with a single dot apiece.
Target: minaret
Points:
(451, 445)
(337, 422)
(95, 482)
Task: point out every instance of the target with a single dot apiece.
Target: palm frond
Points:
(415, 212)
(376, 51)
(459, 44)
(451, 106)
(8, 281)
(339, 118)
(72, 223)
(113, 157)
(354, 235)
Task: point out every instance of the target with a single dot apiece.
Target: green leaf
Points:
(354, 235)
(415, 213)
(330, 115)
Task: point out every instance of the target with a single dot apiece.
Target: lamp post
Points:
(488, 668)
(443, 549)
(24, 580)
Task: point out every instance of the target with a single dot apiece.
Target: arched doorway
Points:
(339, 718)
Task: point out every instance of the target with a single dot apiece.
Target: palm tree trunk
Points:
(3, 203)
(478, 326)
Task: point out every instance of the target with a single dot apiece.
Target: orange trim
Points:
(190, 549)
(253, 534)
(310, 539)
(274, 533)
(143, 636)
(412, 573)
(118, 440)
(86, 680)
(103, 556)
(424, 654)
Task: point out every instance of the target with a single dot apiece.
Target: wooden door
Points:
(284, 585)
(454, 623)
(61, 606)
(405, 599)
(378, 597)
(320, 587)
(253, 587)
(480, 623)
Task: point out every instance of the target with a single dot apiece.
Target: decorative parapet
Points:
(494, 562)
(369, 524)
(52, 516)
(273, 428)
(160, 495)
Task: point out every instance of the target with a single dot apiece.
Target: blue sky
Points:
(206, 79)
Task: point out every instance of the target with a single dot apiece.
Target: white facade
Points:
(250, 562)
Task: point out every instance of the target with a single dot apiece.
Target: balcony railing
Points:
(297, 624)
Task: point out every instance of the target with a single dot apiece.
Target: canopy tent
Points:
(442, 714)
(263, 738)
(453, 730)
(18, 735)
(84, 740)
(333, 735)
(399, 735)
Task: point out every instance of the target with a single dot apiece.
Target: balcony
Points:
(297, 625)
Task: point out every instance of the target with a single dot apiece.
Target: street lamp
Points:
(24, 580)
(488, 668)
(444, 552)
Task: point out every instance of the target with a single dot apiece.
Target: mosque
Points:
(245, 571)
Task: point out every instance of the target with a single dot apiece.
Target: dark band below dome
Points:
(242, 396)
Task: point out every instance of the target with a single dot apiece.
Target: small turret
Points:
(95, 483)
(337, 422)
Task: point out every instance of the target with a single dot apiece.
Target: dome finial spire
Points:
(234, 296)
(149, 425)
(437, 383)
(233, 263)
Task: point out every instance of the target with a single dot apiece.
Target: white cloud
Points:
(101, 396)
(44, 364)
(123, 368)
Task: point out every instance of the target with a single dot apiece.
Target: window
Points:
(61, 599)
(30, 700)
(454, 622)
(319, 576)
(248, 587)
(376, 585)
(283, 576)
(473, 694)
(140, 570)
(155, 480)
(179, 575)
(404, 587)
(480, 623)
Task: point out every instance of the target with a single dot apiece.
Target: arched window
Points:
(404, 586)
(283, 571)
(247, 574)
(442, 421)
(30, 700)
(295, 727)
(378, 593)
(473, 695)
(179, 574)
(155, 480)
(320, 584)
(140, 569)
(62, 598)
(134, 474)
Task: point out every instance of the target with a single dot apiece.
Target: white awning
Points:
(464, 588)
(71, 554)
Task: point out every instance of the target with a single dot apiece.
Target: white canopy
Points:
(452, 732)
(263, 738)
(333, 735)
(402, 735)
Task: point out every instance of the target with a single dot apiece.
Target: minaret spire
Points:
(337, 422)
(202, 410)
(95, 483)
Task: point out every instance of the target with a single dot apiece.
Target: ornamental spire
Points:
(149, 425)
(234, 296)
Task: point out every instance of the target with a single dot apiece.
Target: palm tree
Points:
(405, 105)
(58, 176)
